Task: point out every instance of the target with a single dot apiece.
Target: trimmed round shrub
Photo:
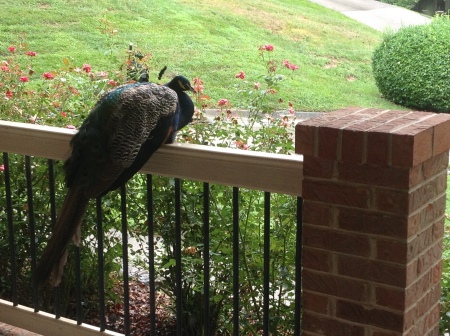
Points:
(412, 66)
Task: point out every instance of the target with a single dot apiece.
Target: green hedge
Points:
(412, 67)
(403, 3)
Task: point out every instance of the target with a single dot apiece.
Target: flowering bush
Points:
(258, 120)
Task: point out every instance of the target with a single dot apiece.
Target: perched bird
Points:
(123, 130)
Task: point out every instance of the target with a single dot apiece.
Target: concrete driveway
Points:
(375, 14)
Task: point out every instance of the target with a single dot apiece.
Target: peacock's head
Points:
(180, 83)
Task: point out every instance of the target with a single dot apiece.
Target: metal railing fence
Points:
(197, 276)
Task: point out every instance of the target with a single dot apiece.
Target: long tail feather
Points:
(68, 223)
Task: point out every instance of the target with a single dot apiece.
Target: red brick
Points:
(393, 201)
(386, 333)
(441, 136)
(429, 258)
(427, 192)
(435, 165)
(305, 139)
(402, 150)
(393, 251)
(321, 325)
(314, 302)
(420, 243)
(352, 146)
(327, 146)
(369, 315)
(385, 225)
(417, 148)
(331, 192)
(333, 240)
(390, 297)
(316, 259)
(334, 285)
(372, 270)
(316, 213)
(318, 167)
(377, 148)
(393, 177)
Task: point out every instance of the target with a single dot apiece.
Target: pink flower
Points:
(267, 47)
(86, 67)
(31, 53)
(63, 114)
(9, 94)
(222, 102)
(2, 168)
(198, 81)
(290, 66)
(240, 75)
(112, 82)
(48, 75)
(241, 145)
(24, 79)
(32, 119)
(256, 85)
(12, 48)
(70, 127)
(4, 68)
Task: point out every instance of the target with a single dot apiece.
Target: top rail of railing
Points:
(246, 169)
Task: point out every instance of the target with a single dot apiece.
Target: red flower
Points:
(290, 66)
(48, 75)
(9, 94)
(24, 79)
(86, 67)
(112, 82)
(222, 102)
(240, 75)
(63, 114)
(31, 53)
(267, 47)
(12, 48)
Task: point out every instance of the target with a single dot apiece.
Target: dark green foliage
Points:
(412, 67)
(402, 3)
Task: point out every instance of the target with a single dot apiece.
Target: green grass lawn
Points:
(212, 39)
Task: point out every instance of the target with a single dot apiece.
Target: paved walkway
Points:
(375, 14)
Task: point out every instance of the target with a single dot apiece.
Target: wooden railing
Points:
(237, 168)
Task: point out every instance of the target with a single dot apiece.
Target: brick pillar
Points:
(374, 203)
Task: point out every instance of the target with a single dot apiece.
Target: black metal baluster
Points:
(78, 292)
(236, 261)
(178, 275)
(101, 265)
(266, 290)
(9, 216)
(126, 288)
(206, 271)
(31, 228)
(151, 255)
(298, 269)
(52, 191)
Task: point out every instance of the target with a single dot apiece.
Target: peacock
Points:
(123, 130)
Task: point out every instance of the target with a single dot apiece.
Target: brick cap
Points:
(381, 137)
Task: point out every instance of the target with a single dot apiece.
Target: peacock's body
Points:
(123, 130)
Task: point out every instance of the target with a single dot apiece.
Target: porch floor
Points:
(7, 330)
